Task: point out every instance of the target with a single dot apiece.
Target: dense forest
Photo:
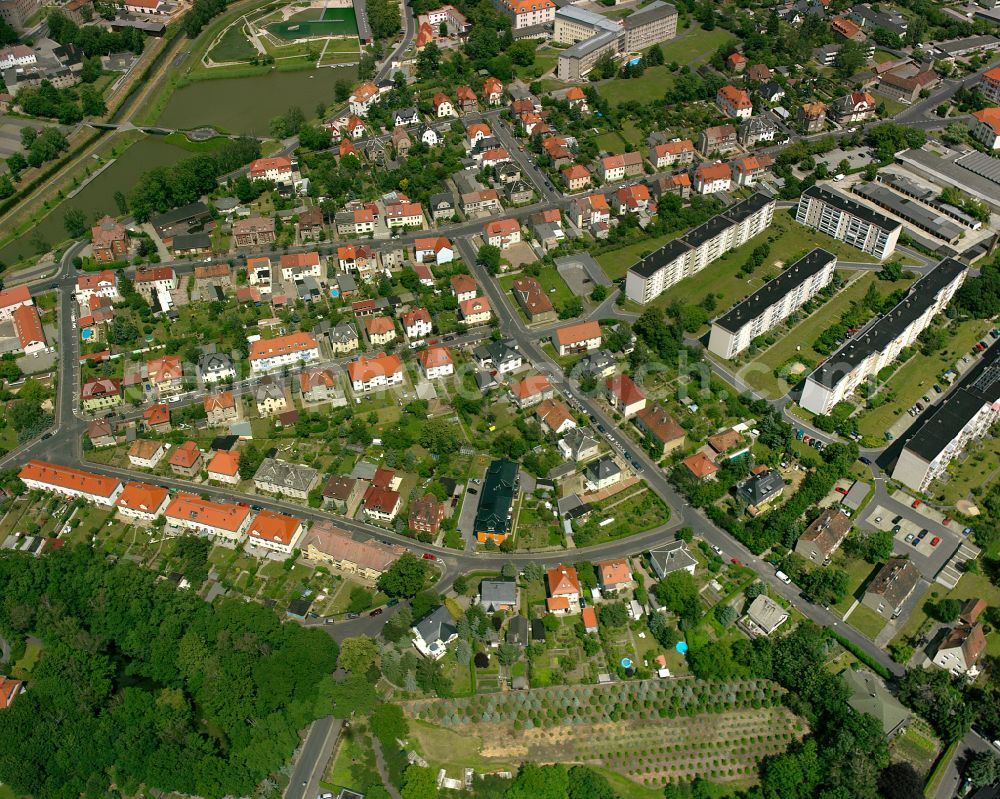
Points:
(144, 684)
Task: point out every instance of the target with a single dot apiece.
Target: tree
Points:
(900, 781)
(983, 769)
(419, 783)
(947, 610)
(613, 614)
(489, 257)
(539, 782)
(533, 572)
(509, 654)
(679, 593)
(508, 570)
(725, 614)
(357, 655)
(585, 783)
(75, 222)
(405, 577)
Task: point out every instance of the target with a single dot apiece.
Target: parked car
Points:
(865, 461)
(840, 490)
(352, 615)
(429, 556)
(935, 541)
(946, 520)
(896, 528)
(909, 537)
(376, 612)
(915, 503)
(736, 562)
(923, 534)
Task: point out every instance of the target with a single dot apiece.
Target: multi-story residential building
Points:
(382, 504)
(357, 222)
(502, 233)
(734, 102)
(651, 24)
(771, 304)
(582, 337)
(142, 502)
(555, 417)
(564, 590)
(436, 362)
(990, 85)
(224, 467)
(216, 367)
(812, 117)
(426, 514)
(986, 127)
(417, 323)
(577, 177)
(749, 170)
(613, 168)
(691, 253)
(476, 311)
(528, 13)
(186, 460)
(904, 83)
(96, 284)
(363, 98)
(156, 280)
(334, 547)
(624, 395)
(166, 374)
(443, 107)
(891, 587)
(227, 520)
(719, 139)
(221, 408)
(279, 169)
(499, 356)
(270, 399)
(678, 152)
(254, 231)
(530, 391)
(436, 249)
(109, 240)
(13, 298)
(318, 385)
(282, 351)
(824, 536)
(655, 422)
(286, 479)
(299, 265)
(574, 24)
(754, 130)
(380, 330)
(496, 500)
(370, 374)
(854, 107)
(712, 178)
(968, 413)
(145, 453)
(493, 91)
(275, 532)
(880, 344)
(533, 300)
(157, 417)
(101, 392)
(839, 216)
(592, 211)
(404, 215)
(71, 483)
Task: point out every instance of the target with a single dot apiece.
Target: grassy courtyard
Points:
(233, 46)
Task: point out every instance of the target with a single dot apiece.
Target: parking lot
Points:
(911, 539)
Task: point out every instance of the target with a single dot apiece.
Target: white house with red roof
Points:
(528, 13)
(28, 327)
(364, 97)
(100, 284)
(443, 106)
(436, 362)
(72, 483)
(502, 233)
(986, 127)
(301, 264)
(492, 91)
(438, 249)
(734, 102)
(12, 299)
(279, 169)
(417, 324)
(275, 532)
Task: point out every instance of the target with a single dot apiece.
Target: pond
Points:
(247, 105)
(97, 197)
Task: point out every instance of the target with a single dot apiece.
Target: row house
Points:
(70, 483)
(359, 222)
(275, 532)
(227, 520)
(142, 502)
(404, 215)
(283, 351)
(295, 266)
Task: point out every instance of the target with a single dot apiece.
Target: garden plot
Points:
(652, 732)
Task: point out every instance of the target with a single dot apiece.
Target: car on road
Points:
(330, 621)
(376, 612)
(865, 461)
(915, 503)
(736, 561)
(352, 616)
(716, 549)
(600, 429)
(46, 436)
(935, 540)
(429, 556)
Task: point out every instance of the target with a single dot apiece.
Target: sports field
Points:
(316, 23)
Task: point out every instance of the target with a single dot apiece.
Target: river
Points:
(247, 105)
(97, 197)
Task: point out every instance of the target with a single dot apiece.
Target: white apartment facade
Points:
(848, 221)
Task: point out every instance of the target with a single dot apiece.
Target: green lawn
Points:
(799, 340)
(866, 621)
(917, 376)
(652, 85)
(975, 472)
(858, 572)
(882, 56)
(892, 107)
(615, 263)
(233, 46)
(22, 669)
(694, 44)
(969, 586)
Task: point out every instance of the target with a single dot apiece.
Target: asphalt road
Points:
(313, 756)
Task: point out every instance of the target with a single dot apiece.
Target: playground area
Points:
(321, 33)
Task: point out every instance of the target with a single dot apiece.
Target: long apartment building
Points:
(695, 250)
(848, 221)
(771, 304)
(283, 351)
(882, 341)
(71, 483)
(592, 35)
(967, 413)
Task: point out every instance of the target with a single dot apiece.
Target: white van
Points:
(783, 577)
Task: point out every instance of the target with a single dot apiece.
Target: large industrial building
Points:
(691, 253)
(881, 342)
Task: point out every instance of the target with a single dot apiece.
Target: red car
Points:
(840, 490)
(429, 556)
(946, 520)
(916, 503)
(806, 439)
(935, 541)
(736, 562)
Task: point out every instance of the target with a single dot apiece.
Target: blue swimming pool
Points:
(86, 333)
